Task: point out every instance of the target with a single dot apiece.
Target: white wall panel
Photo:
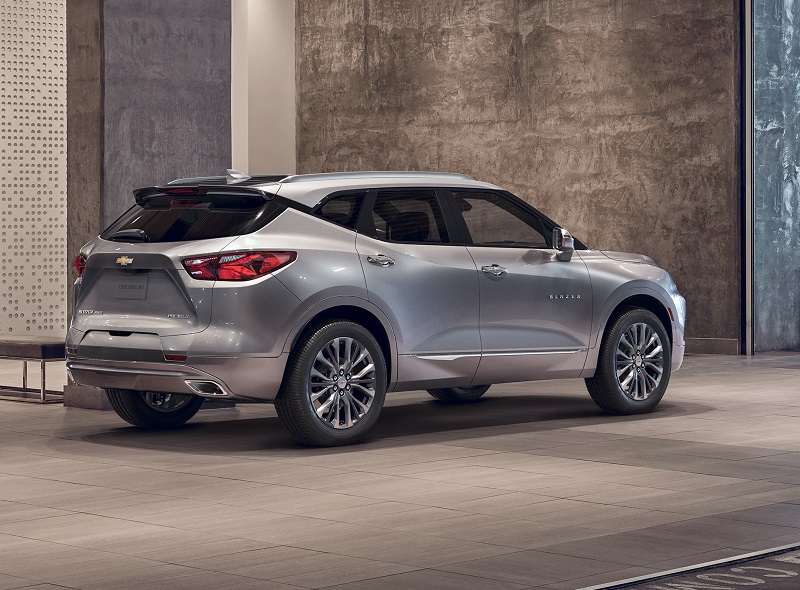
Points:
(263, 122)
(33, 157)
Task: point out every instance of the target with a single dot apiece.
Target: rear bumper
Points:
(254, 378)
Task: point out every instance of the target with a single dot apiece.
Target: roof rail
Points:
(377, 174)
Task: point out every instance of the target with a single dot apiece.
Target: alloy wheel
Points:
(165, 402)
(639, 361)
(341, 385)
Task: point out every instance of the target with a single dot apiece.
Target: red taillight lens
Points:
(237, 266)
(79, 262)
(203, 268)
(245, 266)
(188, 190)
(175, 357)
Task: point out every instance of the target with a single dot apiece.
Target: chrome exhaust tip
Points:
(206, 388)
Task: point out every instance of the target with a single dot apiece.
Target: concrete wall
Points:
(167, 104)
(617, 118)
(776, 193)
(84, 129)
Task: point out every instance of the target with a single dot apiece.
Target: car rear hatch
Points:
(134, 280)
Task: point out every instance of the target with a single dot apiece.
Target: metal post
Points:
(44, 385)
(748, 170)
(24, 374)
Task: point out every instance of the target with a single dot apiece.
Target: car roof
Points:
(310, 189)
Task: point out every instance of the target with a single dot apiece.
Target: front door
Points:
(427, 287)
(535, 310)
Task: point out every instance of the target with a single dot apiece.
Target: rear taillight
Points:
(79, 262)
(236, 266)
(187, 190)
(175, 357)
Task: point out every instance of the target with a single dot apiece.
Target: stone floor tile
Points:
(531, 487)
(533, 568)
(431, 580)
(206, 580)
(603, 578)
(13, 582)
(344, 574)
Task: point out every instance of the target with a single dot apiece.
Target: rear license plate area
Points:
(132, 287)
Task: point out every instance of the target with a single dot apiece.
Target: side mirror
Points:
(564, 243)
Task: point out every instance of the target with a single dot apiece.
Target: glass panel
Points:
(493, 220)
(343, 209)
(409, 216)
(172, 219)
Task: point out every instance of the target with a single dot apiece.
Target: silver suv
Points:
(323, 292)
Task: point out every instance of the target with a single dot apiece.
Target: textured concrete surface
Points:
(532, 487)
(618, 118)
(89, 398)
(167, 104)
(84, 129)
(776, 174)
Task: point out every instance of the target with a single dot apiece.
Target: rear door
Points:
(535, 310)
(427, 286)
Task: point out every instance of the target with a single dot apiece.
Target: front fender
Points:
(618, 298)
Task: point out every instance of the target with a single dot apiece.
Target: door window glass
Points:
(342, 209)
(408, 216)
(493, 220)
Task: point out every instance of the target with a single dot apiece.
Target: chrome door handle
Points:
(381, 259)
(495, 270)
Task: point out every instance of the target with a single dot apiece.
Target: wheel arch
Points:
(640, 299)
(355, 312)
(648, 302)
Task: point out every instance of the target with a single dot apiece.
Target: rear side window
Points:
(343, 209)
(171, 219)
(408, 216)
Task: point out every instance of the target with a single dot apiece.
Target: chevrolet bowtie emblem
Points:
(124, 260)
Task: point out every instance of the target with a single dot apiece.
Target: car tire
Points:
(634, 364)
(323, 409)
(153, 410)
(459, 394)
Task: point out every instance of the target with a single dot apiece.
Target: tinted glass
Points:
(174, 219)
(343, 209)
(493, 220)
(408, 216)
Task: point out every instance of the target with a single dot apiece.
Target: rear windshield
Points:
(178, 219)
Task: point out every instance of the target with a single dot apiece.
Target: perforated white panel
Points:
(33, 158)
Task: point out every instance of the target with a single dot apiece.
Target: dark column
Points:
(167, 105)
(148, 100)
(84, 128)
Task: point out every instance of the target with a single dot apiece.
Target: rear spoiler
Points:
(144, 194)
(233, 177)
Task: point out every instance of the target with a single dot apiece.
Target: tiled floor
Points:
(532, 487)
